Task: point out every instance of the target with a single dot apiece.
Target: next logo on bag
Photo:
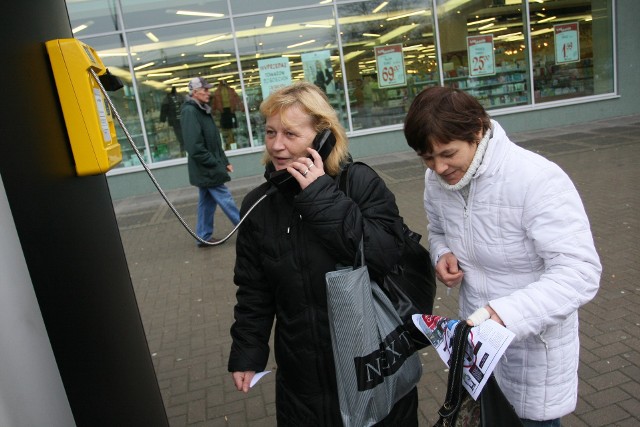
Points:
(394, 350)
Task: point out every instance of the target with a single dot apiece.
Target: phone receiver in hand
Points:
(323, 143)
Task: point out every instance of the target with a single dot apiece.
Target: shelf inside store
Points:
(563, 81)
(500, 77)
(424, 83)
(482, 91)
(487, 103)
(505, 88)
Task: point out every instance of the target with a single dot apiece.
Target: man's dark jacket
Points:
(284, 248)
(207, 162)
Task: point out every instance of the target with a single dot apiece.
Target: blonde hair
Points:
(312, 101)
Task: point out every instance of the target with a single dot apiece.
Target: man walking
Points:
(208, 165)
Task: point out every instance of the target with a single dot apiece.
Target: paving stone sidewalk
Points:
(186, 294)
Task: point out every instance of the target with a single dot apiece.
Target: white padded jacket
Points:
(524, 243)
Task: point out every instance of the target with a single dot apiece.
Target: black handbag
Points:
(459, 409)
(411, 284)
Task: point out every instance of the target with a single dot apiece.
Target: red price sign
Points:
(389, 73)
(479, 63)
(481, 59)
(390, 64)
(567, 42)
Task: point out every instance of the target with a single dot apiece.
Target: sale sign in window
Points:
(481, 59)
(275, 73)
(390, 63)
(567, 42)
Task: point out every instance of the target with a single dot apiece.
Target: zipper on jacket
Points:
(302, 256)
(292, 222)
(546, 345)
(469, 237)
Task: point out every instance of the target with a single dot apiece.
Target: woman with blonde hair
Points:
(288, 243)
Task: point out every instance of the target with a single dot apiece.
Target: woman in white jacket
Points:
(509, 227)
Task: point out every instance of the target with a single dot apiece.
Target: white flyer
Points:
(257, 378)
(487, 342)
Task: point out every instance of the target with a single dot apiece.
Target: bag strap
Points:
(456, 363)
(343, 179)
(343, 185)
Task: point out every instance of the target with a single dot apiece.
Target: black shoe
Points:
(204, 245)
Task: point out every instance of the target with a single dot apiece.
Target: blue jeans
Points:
(210, 198)
(546, 423)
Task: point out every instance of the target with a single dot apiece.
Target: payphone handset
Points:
(88, 117)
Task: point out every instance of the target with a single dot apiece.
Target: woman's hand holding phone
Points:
(305, 170)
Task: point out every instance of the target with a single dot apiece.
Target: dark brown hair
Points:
(441, 115)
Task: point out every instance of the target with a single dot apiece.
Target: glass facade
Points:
(484, 52)
(370, 57)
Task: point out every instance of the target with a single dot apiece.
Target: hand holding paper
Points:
(257, 377)
(487, 343)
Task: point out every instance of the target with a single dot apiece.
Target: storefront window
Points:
(280, 48)
(151, 13)
(484, 51)
(389, 56)
(390, 52)
(92, 16)
(115, 58)
(253, 6)
(163, 67)
(572, 49)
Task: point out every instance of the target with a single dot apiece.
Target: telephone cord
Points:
(157, 185)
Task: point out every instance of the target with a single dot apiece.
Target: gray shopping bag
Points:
(376, 362)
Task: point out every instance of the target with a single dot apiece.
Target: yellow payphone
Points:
(82, 81)
(88, 117)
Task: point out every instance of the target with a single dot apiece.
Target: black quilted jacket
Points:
(284, 249)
